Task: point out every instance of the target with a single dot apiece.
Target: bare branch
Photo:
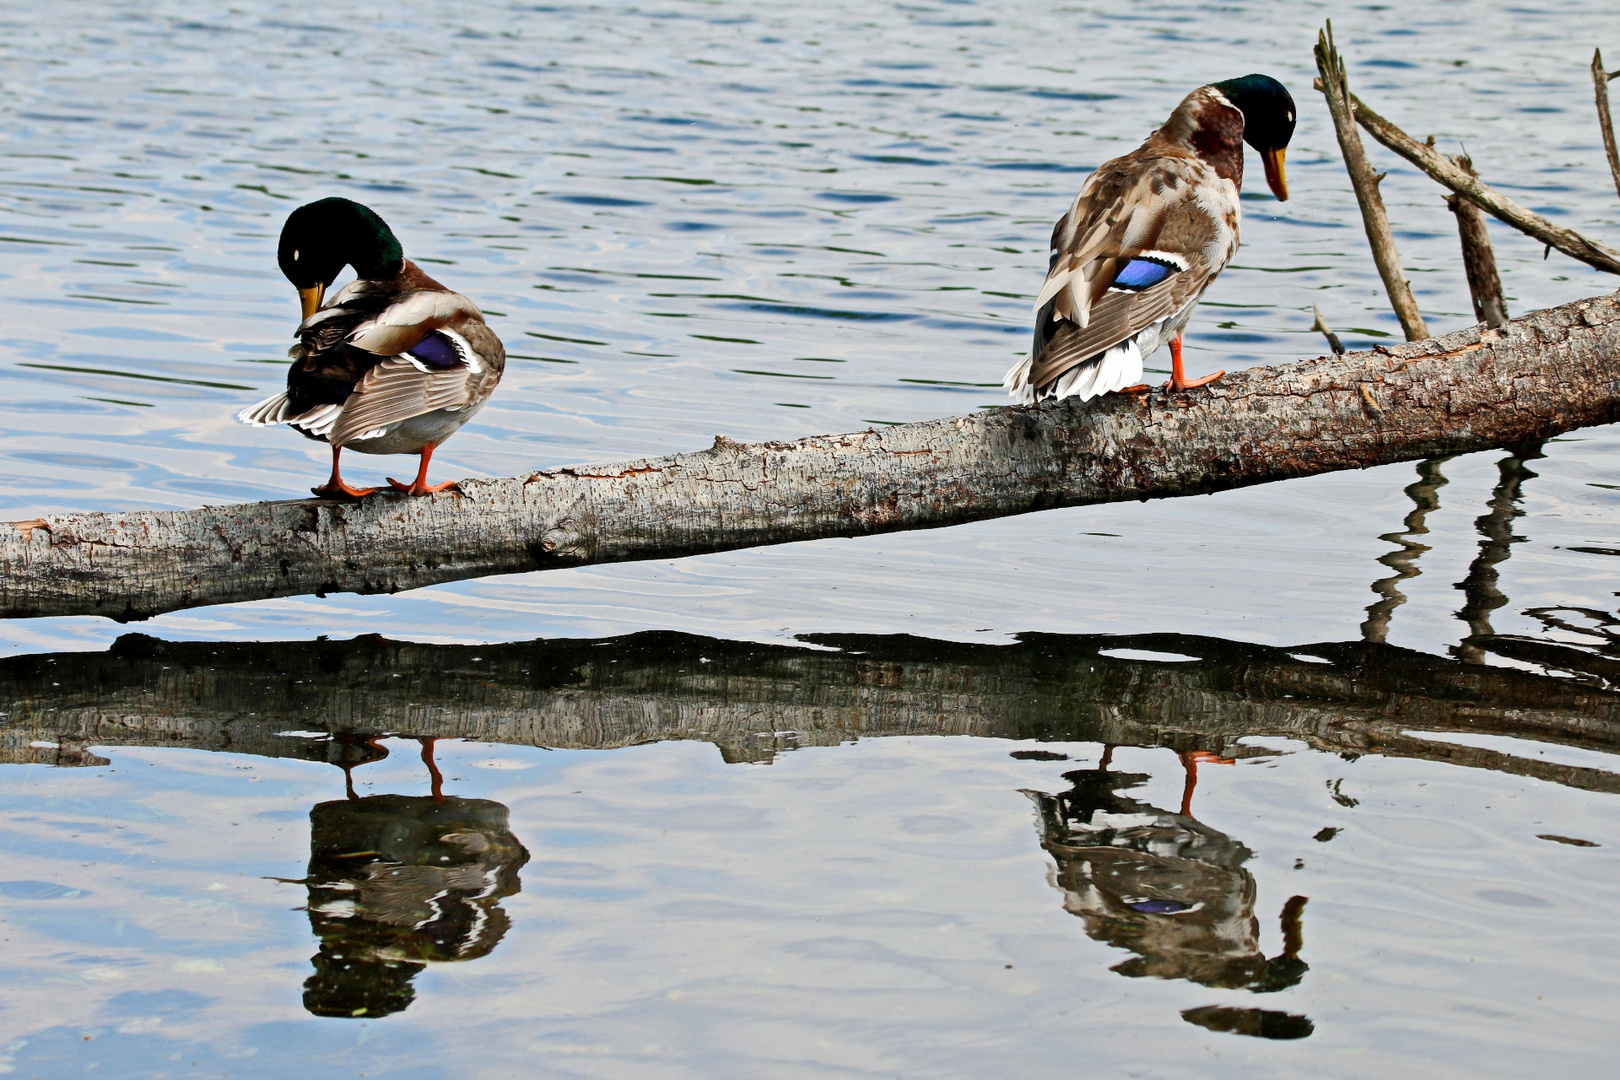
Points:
(1600, 85)
(1336, 89)
(1441, 168)
(1479, 261)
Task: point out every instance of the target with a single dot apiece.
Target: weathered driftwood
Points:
(1479, 261)
(1472, 188)
(322, 700)
(1335, 87)
(1600, 87)
(1546, 373)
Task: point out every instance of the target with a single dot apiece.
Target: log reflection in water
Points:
(1161, 884)
(752, 699)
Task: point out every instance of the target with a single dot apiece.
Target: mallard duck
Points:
(1147, 234)
(393, 363)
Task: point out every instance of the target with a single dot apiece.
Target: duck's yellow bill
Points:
(311, 297)
(1275, 180)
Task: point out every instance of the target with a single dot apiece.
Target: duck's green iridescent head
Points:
(323, 237)
(1268, 122)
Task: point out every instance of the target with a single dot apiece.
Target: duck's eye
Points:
(1290, 120)
(295, 255)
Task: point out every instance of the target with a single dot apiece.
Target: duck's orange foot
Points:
(1205, 757)
(422, 487)
(337, 489)
(1175, 386)
(1139, 388)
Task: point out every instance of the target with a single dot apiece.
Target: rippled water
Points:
(688, 219)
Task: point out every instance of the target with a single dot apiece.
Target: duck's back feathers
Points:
(1144, 238)
(380, 354)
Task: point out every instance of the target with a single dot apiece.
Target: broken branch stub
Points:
(1538, 376)
(1479, 261)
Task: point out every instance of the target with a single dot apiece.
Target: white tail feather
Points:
(1120, 366)
(272, 410)
(319, 420)
(1017, 384)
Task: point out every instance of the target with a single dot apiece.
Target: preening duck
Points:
(1148, 233)
(394, 363)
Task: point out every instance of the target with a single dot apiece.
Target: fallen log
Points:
(1536, 377)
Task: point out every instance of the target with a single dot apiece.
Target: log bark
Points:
(1335, 87)
(323, 700)
(1537, 377)
(1600, 88)
(1472, 188)
(1479, 261)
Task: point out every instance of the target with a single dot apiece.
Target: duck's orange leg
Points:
(420, 486)
(1178, 380)
(335, 488)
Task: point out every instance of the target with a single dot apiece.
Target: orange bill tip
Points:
(1276, 180)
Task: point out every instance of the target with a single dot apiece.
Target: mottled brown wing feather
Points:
(1114, 318)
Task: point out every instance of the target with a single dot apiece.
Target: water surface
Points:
(690, 219)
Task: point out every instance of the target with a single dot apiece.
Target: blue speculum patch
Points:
(435, 350)
(1142, 273)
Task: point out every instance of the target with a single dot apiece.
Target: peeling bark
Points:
(1534, 378)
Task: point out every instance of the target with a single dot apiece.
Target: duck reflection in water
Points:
(397, 882)
(1170, 889)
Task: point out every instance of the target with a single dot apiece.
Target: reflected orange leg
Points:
(432, 767)
(1190, 762)
(348, 767)
(420, 486)
(335, 488)
(1178, 379)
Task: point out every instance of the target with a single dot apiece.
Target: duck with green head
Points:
(393, 363)
(1148, 233)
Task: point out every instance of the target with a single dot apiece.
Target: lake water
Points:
(1317, 778)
